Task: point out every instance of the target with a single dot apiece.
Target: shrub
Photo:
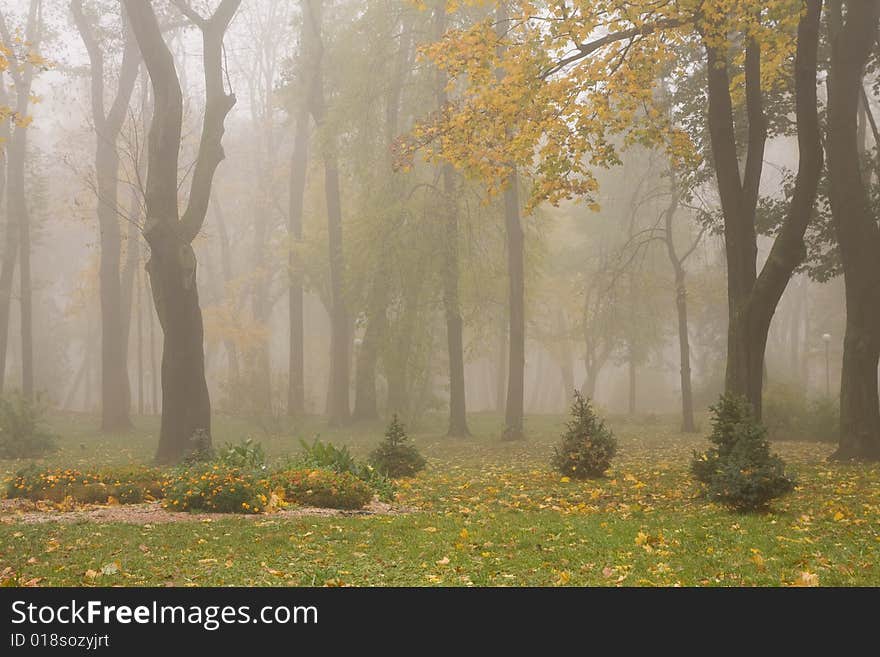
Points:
(327, 456)
(22, 434)
(738, 470)
(128, 485)
(395, 456)
(247, 455)
(216, 487)
(789, 414)
(323, 488)
(133, 484)
(587, 445)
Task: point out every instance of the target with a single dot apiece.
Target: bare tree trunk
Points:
(18, 222)
(340, 331)
(451, 301)
(226, 267)
(501, 365)
(857, 236)
(753, 298)
(140, 343)
(513, 415)
(684, 351)
(296, 359)
(513, 412)
(186, 407)
(26, 303)
(10, 243)
(115, 391)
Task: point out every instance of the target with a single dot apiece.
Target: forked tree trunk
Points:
(115, 312)
(186, 407)
(340, 330)
(681, 309)
(857, 236)
(753, 297)
(366, 405)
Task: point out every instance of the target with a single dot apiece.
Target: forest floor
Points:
(484, 513)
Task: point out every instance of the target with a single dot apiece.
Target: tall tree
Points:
(681, 305)
(340, 326)
(516, 305)
(299, 161)
(572, 95)
(115, 392)
(856, 228)
(186, 406)
(18, 242)
(451, 303)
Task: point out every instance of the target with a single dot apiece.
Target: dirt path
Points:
(26, 511)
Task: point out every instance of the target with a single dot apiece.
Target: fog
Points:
(600, 292)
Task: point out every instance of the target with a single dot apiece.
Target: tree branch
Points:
(217, 105)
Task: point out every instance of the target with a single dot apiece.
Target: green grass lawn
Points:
(488, 513)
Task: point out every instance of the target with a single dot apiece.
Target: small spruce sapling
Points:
(738, 470)
(396, 456)
(587, 445)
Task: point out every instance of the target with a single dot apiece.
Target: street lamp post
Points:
(826, 338)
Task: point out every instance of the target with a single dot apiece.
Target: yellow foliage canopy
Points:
(557, 88)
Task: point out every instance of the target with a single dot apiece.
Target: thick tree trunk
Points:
(186, 408)
(857, 235)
